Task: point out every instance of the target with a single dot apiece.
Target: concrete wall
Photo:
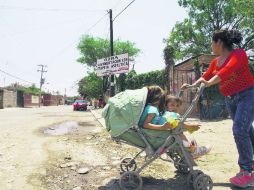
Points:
(8, 98)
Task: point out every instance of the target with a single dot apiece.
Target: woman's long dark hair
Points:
(156, 95)
(228, 37)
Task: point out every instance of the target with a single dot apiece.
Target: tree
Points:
(90, 86)
(168, 53)
(134, 81)
(193, 35)
(28, 90)
(92, 48)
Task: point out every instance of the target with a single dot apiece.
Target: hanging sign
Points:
(113, 65)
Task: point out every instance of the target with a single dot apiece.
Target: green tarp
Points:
(123, 110)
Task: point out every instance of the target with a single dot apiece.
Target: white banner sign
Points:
(35, 99)
(113, 65)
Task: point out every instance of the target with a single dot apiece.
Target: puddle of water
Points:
(72, 127)
(63, 128)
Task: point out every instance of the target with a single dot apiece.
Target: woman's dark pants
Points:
(241, 109)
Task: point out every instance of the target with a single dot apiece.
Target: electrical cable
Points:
(89, 29)
(15, 77)
(124, 9)
(48, 9)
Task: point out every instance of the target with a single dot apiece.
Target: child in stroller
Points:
(156, 118)
(173, 106)
(122, 115)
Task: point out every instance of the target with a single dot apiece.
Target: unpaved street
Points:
(36, 154)
(25, 151)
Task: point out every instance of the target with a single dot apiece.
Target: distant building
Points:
(52, 100)
(10, 97)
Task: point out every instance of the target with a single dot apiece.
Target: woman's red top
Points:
(234, 73)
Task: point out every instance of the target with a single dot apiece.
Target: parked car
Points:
(80, 105)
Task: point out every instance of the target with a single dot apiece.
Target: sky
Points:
(47, 32)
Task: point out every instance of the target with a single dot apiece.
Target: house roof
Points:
(187, 65)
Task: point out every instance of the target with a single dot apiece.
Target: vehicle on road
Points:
(80, 105)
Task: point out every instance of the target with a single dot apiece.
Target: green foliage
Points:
(193, 35)
(30, 90)
(134, 81)
(90, 86)
(92, 48)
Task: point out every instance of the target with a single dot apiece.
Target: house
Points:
(10, 97)
(211, 104)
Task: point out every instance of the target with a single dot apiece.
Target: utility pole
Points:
(42, 80)
(112, 77)
(65, 98)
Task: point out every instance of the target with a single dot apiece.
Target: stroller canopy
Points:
(123, 111)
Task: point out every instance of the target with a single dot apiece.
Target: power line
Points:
(118, 2)
(48, 9)
(89, 29)
(34, 28)
(15, 77)
(124, 9)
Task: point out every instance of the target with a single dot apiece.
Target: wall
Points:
(50, 100)
(31, 101)
(184, 73)
(8, 98)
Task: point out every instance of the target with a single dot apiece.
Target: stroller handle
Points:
(200, 90)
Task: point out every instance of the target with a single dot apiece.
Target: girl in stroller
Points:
(173, 106)
(154, 117)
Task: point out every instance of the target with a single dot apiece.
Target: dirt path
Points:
(24, 149)
(31, 160)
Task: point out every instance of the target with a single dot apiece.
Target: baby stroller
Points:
(122, 114)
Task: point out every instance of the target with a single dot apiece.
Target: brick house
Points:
(211, 103)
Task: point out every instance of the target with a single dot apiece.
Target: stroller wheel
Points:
(203, 182)
(128, 164)
(192, 175)
(131, 181)
(181, 166)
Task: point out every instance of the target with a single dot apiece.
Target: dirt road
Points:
(36, 154)
(25, 151)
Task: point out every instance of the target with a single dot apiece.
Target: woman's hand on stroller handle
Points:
(188, 86)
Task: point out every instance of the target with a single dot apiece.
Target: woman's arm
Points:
(149, 125)
(215, 80)
(207, 76)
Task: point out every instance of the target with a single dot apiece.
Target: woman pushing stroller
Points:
(230, 70)
(155, 117)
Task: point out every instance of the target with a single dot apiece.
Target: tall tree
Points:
(168, 53)
(193, 35)
(92, 48)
